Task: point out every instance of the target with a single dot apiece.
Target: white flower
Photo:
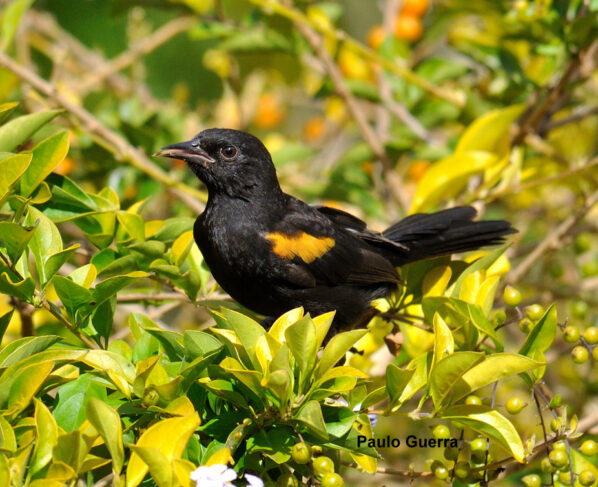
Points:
(253, 481)
(214, 476)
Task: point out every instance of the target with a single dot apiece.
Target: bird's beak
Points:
(187, 151)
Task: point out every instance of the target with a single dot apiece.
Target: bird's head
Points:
(228, 161)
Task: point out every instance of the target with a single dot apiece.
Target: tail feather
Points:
(445, 232)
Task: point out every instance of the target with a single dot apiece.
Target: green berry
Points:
(287, 480)
(441, 473)
(514, 405)
(525, 325)
(451, 453)
(582, 243)
(478, 450)
(560, 445)
(565, 478)
(580, 354)
(586, 478)
(532, 480)
(580, 309)
(462, 470)
(590, 268)
(332, 480)
(591, 335)
(558, 458)
(301, 453)
(323, 465)
(473, 400)
(511, 296)
(546, 466)
(595, 353)
(534, 312)
(589, 448)
(571, 334)
(441, 431)
(499, 317)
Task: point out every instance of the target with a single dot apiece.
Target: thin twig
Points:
(121, 148)
(553, 239)
(143, 47)
(134, 297)
(578, 114)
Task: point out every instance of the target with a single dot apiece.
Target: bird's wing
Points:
(330, 251)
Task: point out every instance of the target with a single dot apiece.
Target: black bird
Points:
(273, 252)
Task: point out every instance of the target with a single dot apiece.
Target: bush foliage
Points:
(121, 360)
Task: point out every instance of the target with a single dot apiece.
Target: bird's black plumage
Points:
(273, 252)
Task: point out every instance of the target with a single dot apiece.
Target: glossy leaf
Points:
(26, 384)
(46, 156)
(15, 238)
(311, 415)
(108, 424)
(447, 374)
(336, 349)
(18, 130)
(396, 381)
(46, 436)
(11, 169)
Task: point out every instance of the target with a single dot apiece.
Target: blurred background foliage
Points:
(381, 108)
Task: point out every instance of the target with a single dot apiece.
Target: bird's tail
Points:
(444, 232)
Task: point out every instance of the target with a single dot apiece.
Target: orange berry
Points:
(376, 36)
(417, 169)
(408, 28)
(415, 7)
(65, 167)
(269, 112)
(314, 129)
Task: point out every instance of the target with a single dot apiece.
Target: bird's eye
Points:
(228, 152)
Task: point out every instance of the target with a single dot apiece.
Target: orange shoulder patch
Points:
(301, 244)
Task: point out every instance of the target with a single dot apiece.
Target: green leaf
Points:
(480, 264)
(75, 298)
(448, 372)
(109, 287)
(11, 18)
(540, 338)
(172, 228)
(46, 156)
(4, 322)
(25, 384)
(133, 224)
(19, 289)
(311, 415)
(18, 130)
(489, 422)
(159, 467)
(301, 340)
(396, 381)
(199, 343)
(248, 332)
(336, 348)
(11, 169)
(14, 238)
(171, 341)
(493, 368)
(45, 242)
(107, 423)
(6, 109)
(8, 440)
(55, 261)
(46, 436)
(70, 410)
(22, 348)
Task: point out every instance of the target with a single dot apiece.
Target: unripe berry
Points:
(589, 448)
(565, 478)
(580, 309)
(511, 296)
(546, 466)
(595, 353)
(441, 431)
(534, 312)
(532, 480)
(332, 480)
(571, 334)
(580, 354)
(462, 470)
(525, 325)
(478, 450)
(451, 453)
(301, 453)
(558, 458)
(441, 473)
(591, 335)
(586, 478)
(323, 465)
(582, 243)
(514, 405)
(287, 480)
(473, 400)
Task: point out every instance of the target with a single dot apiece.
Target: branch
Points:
(121, 148)
(298, 18)
(143, 47)
(553, 239)
(578, 114)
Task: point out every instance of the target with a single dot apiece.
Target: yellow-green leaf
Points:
(47, 436)
(169, 436)
(107, 422)
(444, 343)
(18, 130)
(26, 384)
(11, 169)
(436, 281)
(46, 156)
(159, 467)
(278, 328)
